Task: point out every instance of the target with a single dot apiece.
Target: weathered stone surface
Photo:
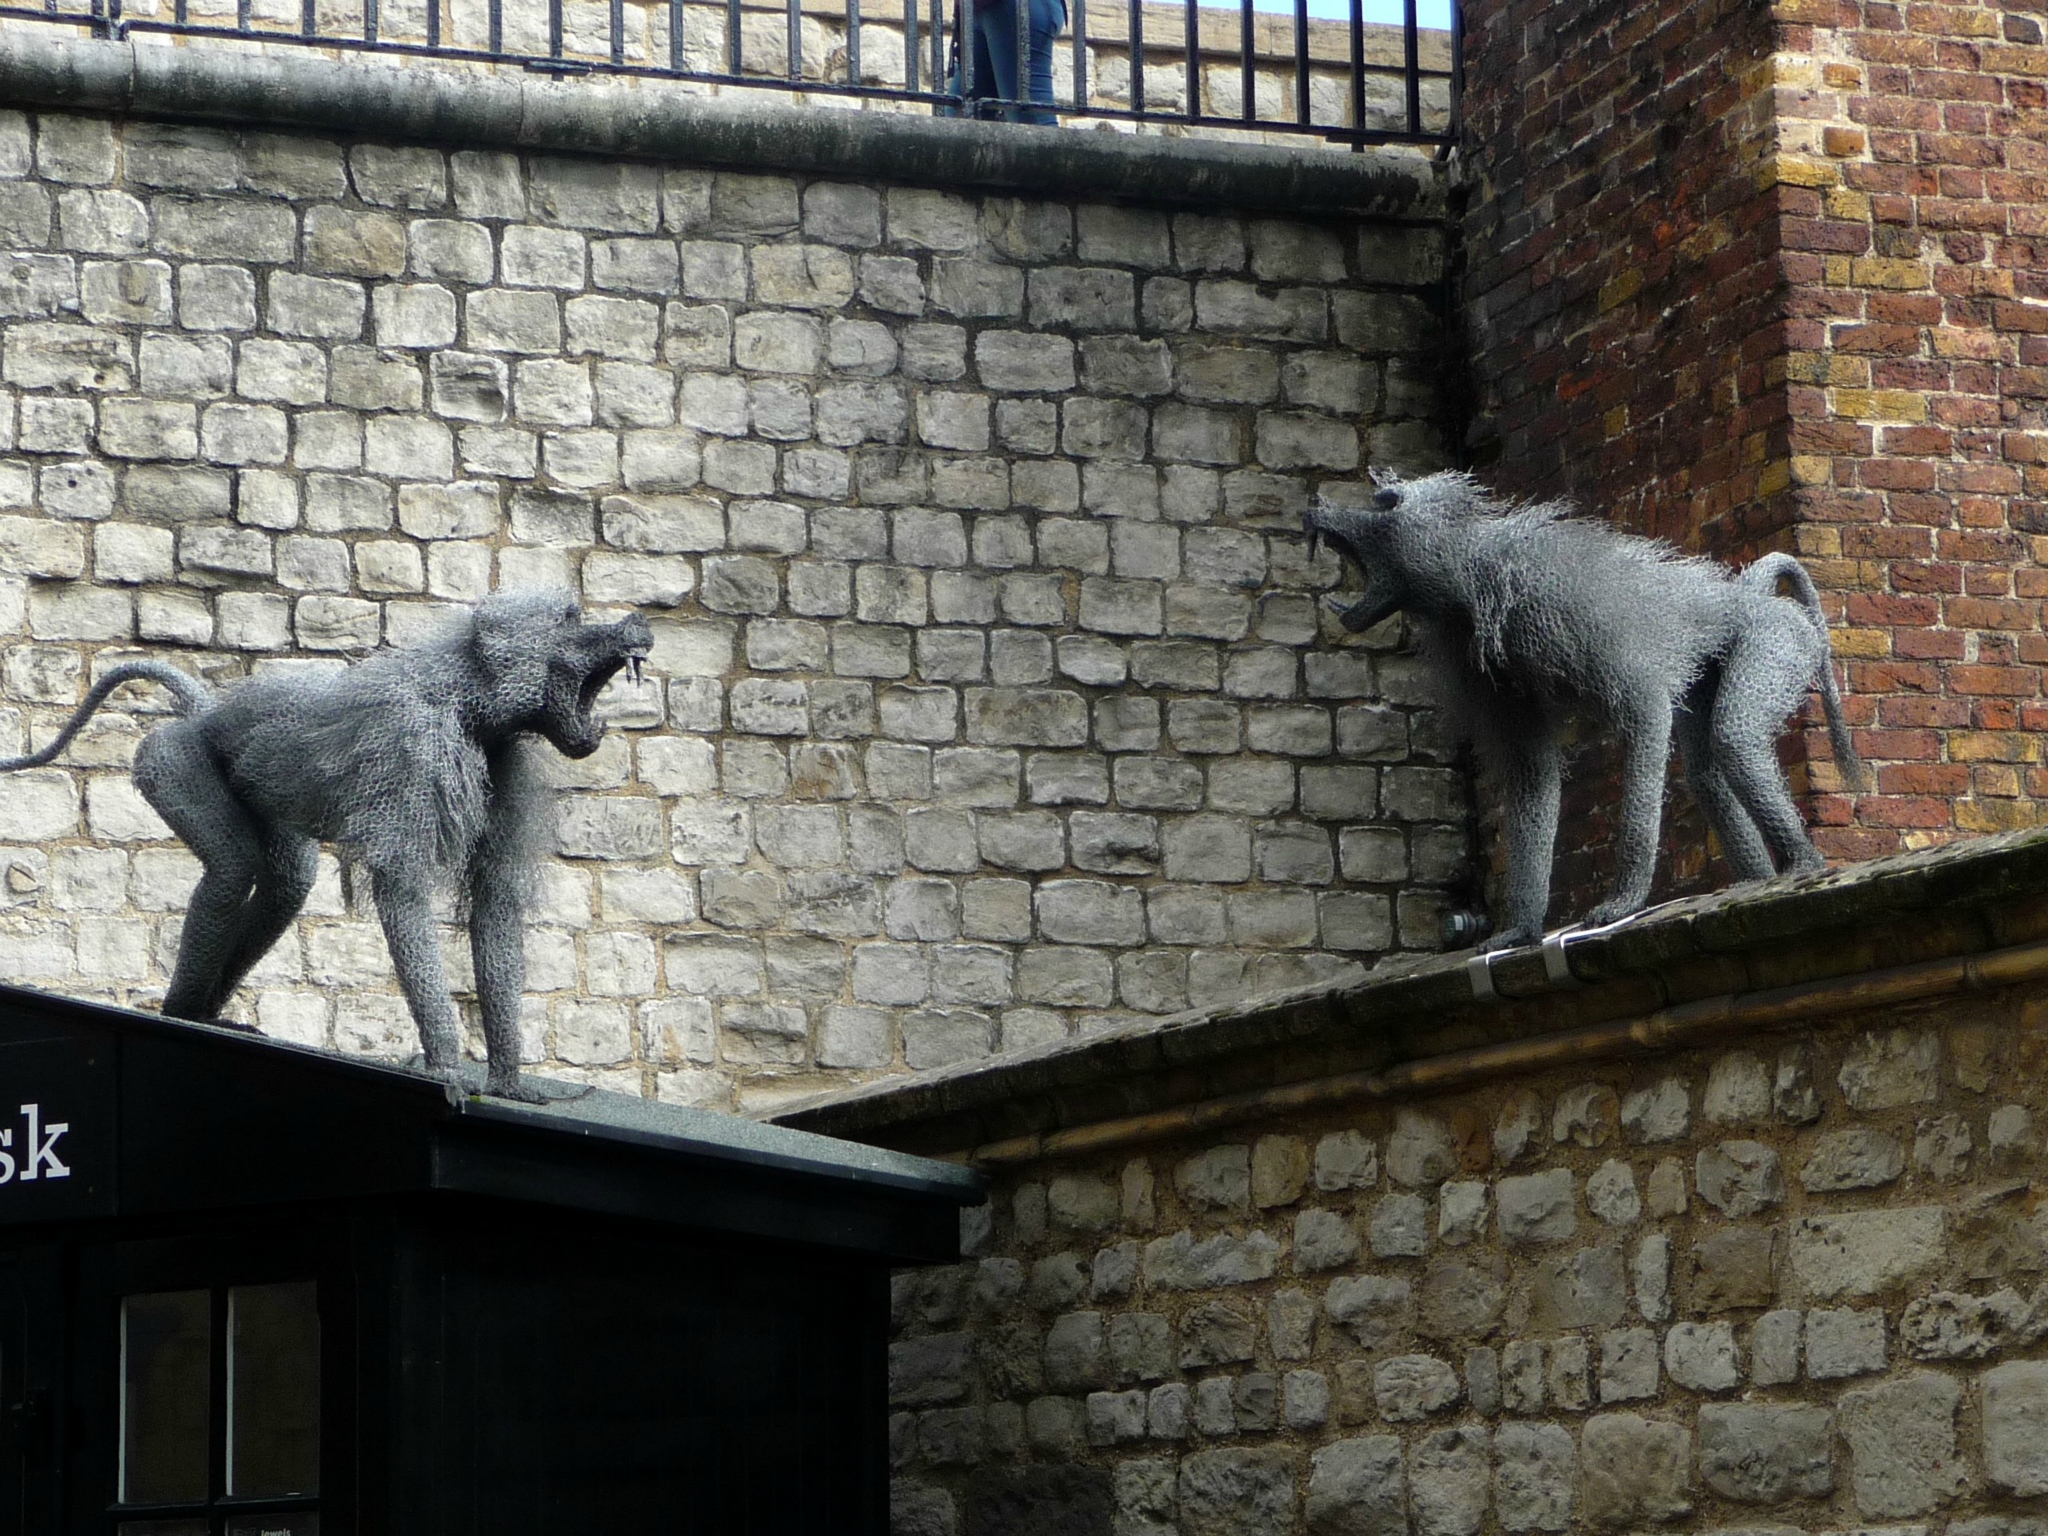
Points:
(1857, 1158)
(1865, 1253)
(1884, 1070)
(1732, 1268)
(1375, 1309)
(1586, 1289)
(1237, 1492)
(1844, 1343)
(1536, 1207)
(1461, 1300)
(1533, 1476)
(1702, 1356)
(2016, 1427)
(1420, 1151)
(1758, 1453)
(1952, 1326)
(1357, 1488)
(1043, 1500)
(1901, 1436)
(1739, 1178)
(1449, 1481)
(1633, 1470)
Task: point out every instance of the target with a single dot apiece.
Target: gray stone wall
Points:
(991, 699)
(1793, 1286)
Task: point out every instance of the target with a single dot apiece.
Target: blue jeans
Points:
(995, 58)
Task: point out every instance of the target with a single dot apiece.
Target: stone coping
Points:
(1958, 900)
(652, 120)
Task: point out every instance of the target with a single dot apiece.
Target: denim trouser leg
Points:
(995, 55)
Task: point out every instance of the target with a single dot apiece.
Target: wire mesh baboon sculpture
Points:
(420, 763)
(1528, 618)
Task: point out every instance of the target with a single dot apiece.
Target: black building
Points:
(249, 1289)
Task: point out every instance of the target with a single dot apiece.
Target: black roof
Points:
(164, 1117)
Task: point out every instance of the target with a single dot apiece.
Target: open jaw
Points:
(626, 649)
(1367, 610)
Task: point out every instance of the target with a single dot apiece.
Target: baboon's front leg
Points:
(1642, 812)
(497, 938)
(405, 906)
(1530, 777)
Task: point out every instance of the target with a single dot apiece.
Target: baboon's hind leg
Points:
(1758, 691)
(1740, 842)
(290, 863)
(178, 777)
(1648, 749)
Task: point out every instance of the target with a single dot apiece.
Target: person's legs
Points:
(995, 52)
(1048, 19)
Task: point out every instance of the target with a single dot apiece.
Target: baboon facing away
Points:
(419, 763)
(1528, 618)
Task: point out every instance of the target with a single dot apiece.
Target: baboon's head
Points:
(543, 665)
(1385, 537)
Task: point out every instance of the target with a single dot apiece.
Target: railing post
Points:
(1080, 24)
(1301, 61)
(1412, 63)
(1138, 57)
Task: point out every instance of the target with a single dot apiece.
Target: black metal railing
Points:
(1185, 66)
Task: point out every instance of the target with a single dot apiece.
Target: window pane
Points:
(166, 1344)
(305, 1522)
(273, 1393)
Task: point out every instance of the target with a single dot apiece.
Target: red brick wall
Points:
(1750, 276)
(1623, 314)
(1917, 252)
(1617, 233)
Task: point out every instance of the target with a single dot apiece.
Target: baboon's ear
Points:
(1386, 500)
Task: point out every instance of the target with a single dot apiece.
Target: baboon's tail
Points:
(1764, 576)
(190, 692)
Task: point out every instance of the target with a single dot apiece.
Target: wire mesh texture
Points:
(1225, 67)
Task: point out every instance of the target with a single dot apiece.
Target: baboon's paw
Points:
(1510, 938)
(514, 1086)
(1613, 910)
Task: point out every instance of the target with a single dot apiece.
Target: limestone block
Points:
(1357, 1488)
(1890, 1069)
(1739, 1178)
(1178, 1262)
(1409, 1388)
(1534, 1469)
(1758, 1453)
(1902, 1445)
(1865, 1253)
(1844, 1343)
(1376, 1309)
(2016, 1427)
(1857, 1158)
(1536, 1207)
(1633, 1470)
